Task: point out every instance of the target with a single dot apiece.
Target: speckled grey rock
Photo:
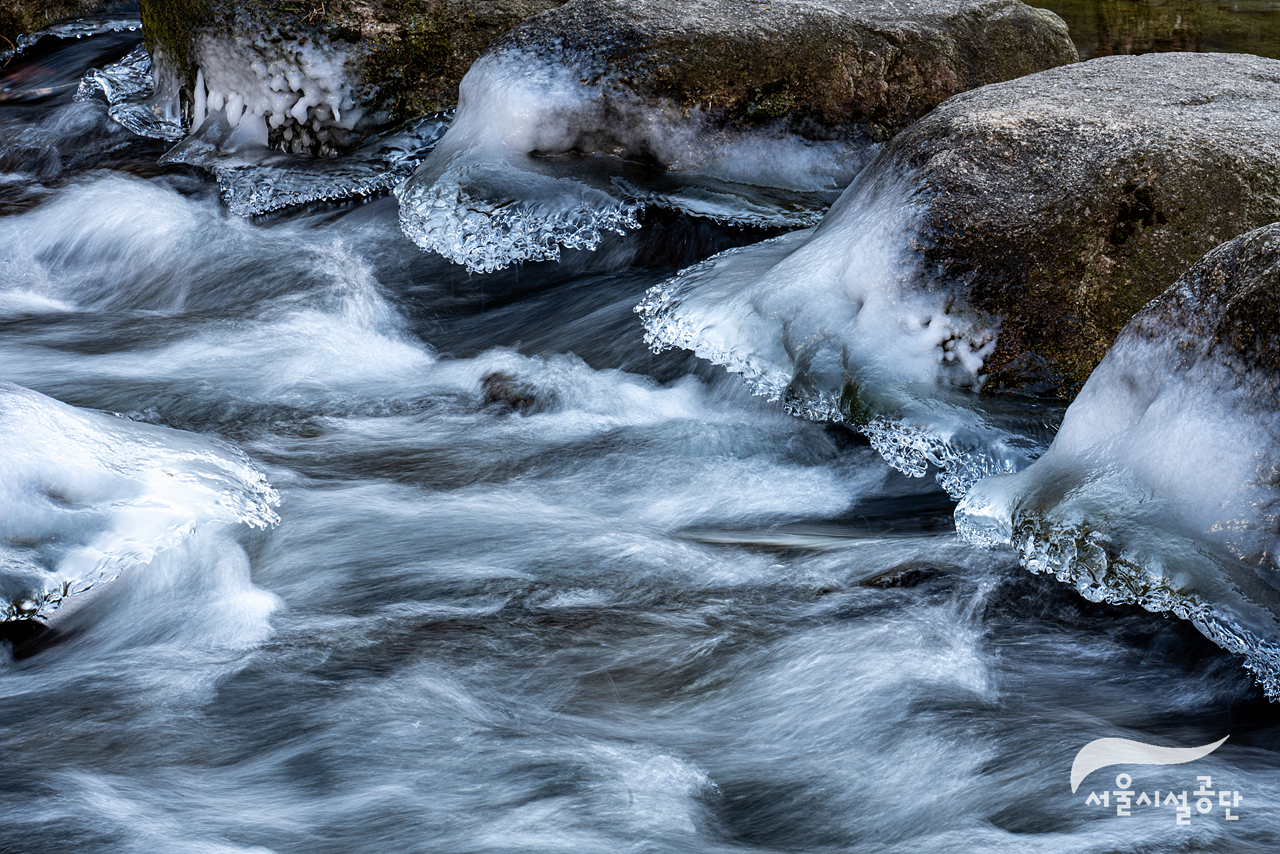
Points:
(822, 65)
(1064, 201)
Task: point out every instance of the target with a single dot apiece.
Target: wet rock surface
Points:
(26, 16)
(749, 113)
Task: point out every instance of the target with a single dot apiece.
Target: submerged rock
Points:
(1163, 486)
(315, 77)
(786, 97)
(1000, 242)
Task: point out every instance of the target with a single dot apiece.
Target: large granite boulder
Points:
(791, 95)
(314, 73)
(1163, 485)
(999, 243)
(1061, 203)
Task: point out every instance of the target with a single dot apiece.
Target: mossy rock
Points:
(1061, 203)
(405, 57)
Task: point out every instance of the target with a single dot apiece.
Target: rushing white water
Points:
(534, 587)
(539, 161)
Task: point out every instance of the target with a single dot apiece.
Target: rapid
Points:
(533, 587)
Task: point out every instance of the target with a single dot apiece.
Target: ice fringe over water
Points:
(834, 323)
(84, 495)
(253, 179)
(1161, 488)
(538, 161)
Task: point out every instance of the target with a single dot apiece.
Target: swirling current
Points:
(533, 587)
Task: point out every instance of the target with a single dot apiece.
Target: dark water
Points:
(534, 588)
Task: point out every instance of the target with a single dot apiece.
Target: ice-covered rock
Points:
(1163, 485)
(84, 495)
(1001, 242)
(567, 120)
(318, 77)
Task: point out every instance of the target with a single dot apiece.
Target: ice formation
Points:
(1161, 487)
(84, 495)
(133, 97)
(833, 322)
(263, 157)
(297, 96)
(255, 179)
(540, 159)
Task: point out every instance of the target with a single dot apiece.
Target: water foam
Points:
(86, 495)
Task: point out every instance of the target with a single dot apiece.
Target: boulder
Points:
(790, 95)
(998, 244)
(1063, 202)
(1163, 485)
(324, 72)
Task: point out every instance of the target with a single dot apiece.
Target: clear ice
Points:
(255, 179)
(130, 90)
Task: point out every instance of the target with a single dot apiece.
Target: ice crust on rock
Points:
(539, 160)
(790, 97)
(254, 179)
(84, 495)
(299, 95)
(832, 322)
(1162, 486)
(231, 138)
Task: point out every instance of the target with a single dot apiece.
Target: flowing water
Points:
(534, 587)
